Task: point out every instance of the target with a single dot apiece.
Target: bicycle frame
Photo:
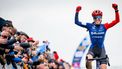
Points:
(98, 61)
(97, 64)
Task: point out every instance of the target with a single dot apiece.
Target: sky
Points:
(53, 20)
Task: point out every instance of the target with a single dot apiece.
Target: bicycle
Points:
(98, 61)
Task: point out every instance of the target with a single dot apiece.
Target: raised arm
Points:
(77, 19)
(117, 18)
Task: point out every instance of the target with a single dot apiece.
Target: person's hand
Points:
(3, 41)
(78, 8)
(115, 6)
(17, 37)
(18, 47)
(33, 53)
(25, 60)
(7, 50)
(89, 56)
(35, 43)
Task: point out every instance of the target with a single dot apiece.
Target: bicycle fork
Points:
(97, 64)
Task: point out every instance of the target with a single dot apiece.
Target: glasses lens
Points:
(97, 17)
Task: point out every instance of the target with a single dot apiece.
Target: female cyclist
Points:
(97, 32)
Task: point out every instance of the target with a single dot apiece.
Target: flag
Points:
(80, 53)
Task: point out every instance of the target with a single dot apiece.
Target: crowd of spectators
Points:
(17, 48)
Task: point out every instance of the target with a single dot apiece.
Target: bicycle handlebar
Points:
(97, 59)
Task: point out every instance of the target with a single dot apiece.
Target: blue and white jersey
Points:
(97, 34)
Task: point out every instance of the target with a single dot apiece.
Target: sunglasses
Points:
(97, 17)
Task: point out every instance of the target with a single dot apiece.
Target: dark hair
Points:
(54, 52)
(2, 22)
(23, 33)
